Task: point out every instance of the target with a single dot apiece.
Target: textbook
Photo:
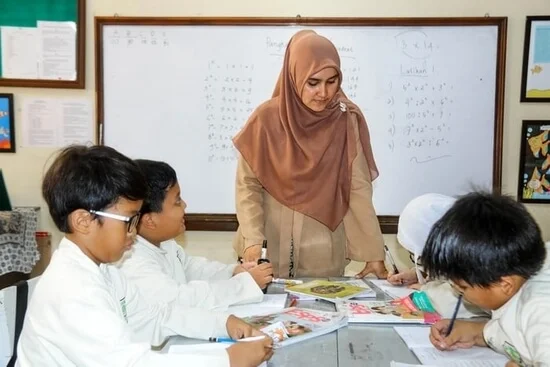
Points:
(327, 290)
(413, 309)
(293, 324)
(368, 292)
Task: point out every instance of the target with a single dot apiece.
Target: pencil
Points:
(454, 316)
(388, 253)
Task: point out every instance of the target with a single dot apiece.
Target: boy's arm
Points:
(154, 284)
(200, 268)
(154, 322)
(94, 334)
(157, 286)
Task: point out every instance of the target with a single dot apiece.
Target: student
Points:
(415, 223)
(83, 312)
(492, 251)
(160, 267)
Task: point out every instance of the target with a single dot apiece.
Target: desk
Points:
(352, 346)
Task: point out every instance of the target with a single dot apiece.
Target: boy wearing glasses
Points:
(163, 271)
(492, 251)
(82, 311)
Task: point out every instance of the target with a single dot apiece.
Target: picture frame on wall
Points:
(534, 166)
(535, 79)
(7, 130)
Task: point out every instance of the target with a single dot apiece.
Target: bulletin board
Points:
(42, 43)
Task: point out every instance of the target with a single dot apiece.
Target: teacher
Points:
(305, 170)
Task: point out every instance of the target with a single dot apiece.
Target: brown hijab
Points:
(302, 157)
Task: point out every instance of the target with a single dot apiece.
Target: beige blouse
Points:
(316, 251)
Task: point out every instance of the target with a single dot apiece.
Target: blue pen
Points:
(454, 316)
(221, 340)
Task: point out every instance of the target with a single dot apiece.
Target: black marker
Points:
(263, 259)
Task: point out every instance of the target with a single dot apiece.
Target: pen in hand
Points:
(388, 254)
(453, 319)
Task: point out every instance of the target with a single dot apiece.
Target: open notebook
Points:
(270, 303)
(418, 341)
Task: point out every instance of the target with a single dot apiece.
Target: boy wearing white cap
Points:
(415, 224)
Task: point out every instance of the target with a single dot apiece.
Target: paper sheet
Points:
(415, 336)
(203, 348)
(391, 290)
(270, 303)
(418, 340)
(19, 52)
(474, 357)
(56, 122)
(57, 50)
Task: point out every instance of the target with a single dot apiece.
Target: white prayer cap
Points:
(418, 218)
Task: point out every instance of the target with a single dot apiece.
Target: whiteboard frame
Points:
(388, 224)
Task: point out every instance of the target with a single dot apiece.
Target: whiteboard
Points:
(179, 93)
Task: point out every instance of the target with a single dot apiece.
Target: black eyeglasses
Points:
(131, 222)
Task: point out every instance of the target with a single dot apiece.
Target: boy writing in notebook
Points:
(83, 312)
(160, 267)
(491, 249)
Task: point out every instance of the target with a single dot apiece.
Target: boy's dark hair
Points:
(482, 238)
(89, 178)
(160, 178)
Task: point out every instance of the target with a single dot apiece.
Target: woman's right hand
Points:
(252, 253)
(403, 278)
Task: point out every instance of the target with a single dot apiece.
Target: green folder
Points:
(4, 198)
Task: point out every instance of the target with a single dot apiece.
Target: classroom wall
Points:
(23, 170)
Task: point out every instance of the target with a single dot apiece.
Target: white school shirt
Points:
(521, 327)
(82, 314)
(167, 273)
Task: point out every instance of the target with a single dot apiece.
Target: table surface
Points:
(354, 345)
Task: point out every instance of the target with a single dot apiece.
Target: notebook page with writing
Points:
(418, 340)
(450, 364)
(472, 357)
(415, 336)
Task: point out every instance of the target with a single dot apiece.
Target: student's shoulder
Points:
(535, 298)
(65, 277)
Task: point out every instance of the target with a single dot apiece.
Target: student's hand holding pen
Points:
(250, 354)
(247, 354)
(464, 334)
(406, 277)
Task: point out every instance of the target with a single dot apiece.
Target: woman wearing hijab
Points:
(305, 170)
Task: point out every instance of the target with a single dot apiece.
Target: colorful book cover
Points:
(415, 309)
(326, 289)
(294, 324)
